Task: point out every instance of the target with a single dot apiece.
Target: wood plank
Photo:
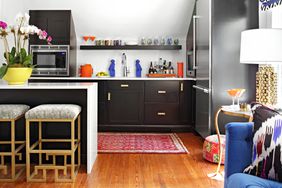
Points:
(142, 170)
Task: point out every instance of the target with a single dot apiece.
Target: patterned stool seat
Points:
(12, 111)
(211, 148)
(54, 111)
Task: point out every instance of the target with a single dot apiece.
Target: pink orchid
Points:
(3, 25)
(43, 34)
(49, 39)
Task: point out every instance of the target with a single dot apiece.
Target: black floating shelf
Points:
(132, 47)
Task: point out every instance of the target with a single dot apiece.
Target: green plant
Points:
(18, 56)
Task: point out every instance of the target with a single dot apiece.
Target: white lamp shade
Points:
(261, 46)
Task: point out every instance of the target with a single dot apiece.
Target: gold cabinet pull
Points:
(161, 113)
(109, 96)
(161, 92)
(124, 85)
(181, 86)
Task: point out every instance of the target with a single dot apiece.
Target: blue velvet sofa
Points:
(238, 155)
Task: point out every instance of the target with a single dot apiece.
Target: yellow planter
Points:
(17, 76)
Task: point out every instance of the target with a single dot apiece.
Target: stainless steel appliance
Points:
(50, 60)
(213, 53)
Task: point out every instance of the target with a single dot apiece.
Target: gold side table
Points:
(230, 111)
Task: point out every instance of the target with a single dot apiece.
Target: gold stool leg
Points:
(40, 141)
(27, 126)
(79, 141)
(72, 150)
(13, 156)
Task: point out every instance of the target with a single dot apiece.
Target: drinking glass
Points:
(85, 39)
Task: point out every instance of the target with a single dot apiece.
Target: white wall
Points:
(127, 20)
(8, 12)
(1, 47)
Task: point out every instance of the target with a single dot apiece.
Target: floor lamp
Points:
(263, 47)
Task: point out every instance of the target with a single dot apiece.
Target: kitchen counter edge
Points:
(107, 78)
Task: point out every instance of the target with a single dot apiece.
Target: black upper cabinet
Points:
(125, 101)
(57, 23)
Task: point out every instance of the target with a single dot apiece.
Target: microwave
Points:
(50, 60)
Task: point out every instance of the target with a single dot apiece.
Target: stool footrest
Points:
(58, 140)
(9, 142)
(58, 152)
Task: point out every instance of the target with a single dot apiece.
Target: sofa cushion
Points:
(267, 142)
(241, 180)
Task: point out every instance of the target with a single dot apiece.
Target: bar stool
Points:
(67, 113)
(11, 113)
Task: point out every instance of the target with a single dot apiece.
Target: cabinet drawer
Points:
(162, 91)
(130, 85)
(161, 114)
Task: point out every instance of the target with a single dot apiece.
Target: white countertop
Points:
(49, 86)
(107, 78)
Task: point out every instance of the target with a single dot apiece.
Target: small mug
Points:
(162, 42)
(102, 42)
(98, 42)
(143, 41)
(149, 41)
(176, 41)
(156, 41)
(107, 43)
(169, 41)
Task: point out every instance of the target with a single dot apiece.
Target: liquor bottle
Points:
(160, 63)
(171, 69)
(165, 67)
(156, 70)
(151, 69)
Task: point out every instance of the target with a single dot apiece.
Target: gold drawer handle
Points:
(181, 87)
(161, 113)
(124, 85)
(161, 92)
(109, 96)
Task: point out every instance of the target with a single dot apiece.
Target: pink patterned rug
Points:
(140, 143)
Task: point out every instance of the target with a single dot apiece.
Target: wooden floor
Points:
(143, 170)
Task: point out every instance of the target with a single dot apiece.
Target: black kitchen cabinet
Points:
(101, 103)
(143, 105)
(162, 102)
(161, 114)
(57, 23)
(186, 103)
(162, 92)
(125, 101)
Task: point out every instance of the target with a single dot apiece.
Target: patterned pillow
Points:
(267, 141)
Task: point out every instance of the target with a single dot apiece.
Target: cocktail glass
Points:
(92, 38)
(239, 94)
(85, 39)
(235, 94)
(232, 93)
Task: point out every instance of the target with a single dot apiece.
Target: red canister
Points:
(180, 69)
(86, 70)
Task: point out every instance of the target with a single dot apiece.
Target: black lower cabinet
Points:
(161, 114)
(186, 103)
(144, 105)
(125, 102)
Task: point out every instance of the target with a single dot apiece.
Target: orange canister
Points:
(86, 70)
(180, 70)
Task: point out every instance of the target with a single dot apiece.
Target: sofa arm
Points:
(238, 151)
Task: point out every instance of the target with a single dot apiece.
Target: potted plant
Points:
(18, 65)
